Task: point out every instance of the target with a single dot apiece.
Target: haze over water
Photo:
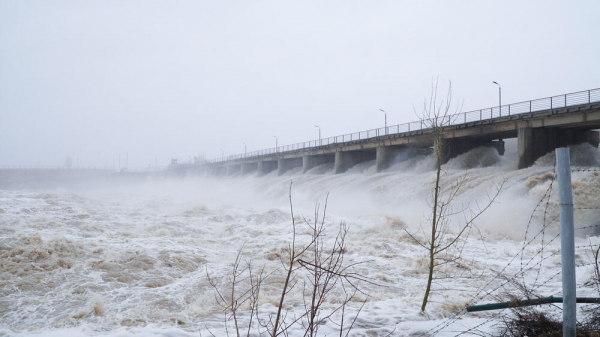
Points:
(131, 258)
(131, 85)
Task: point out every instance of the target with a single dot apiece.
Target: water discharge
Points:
(132, 259)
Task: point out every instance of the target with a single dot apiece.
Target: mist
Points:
(100, 236)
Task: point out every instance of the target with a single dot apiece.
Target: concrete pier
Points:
(310, 161)
(266, 167)
(386, 156)
(347, 159)
(536, 142)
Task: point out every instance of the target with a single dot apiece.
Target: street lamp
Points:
(385, 114)
(319, 133)
(499, 97)
(275, 143)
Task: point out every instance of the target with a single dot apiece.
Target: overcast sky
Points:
(155, 80)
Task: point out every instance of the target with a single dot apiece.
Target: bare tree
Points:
(241, 276)
(325, 273)
(443, 247)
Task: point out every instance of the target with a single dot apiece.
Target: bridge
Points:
(540, 125)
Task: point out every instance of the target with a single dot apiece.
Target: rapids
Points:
(132, 259)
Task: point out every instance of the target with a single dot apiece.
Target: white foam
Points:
(131, 260)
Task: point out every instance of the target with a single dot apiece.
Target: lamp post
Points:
(385, 120)
(499, 97)
(275, 143)
(319, 133)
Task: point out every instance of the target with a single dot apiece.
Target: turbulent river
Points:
(131, 258)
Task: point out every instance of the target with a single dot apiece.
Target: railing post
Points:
(529, 106)
(480, 115)
(589, 96)
(509, 109)
(565, 101)
(408, 127)
(551, 103)
(465, 117)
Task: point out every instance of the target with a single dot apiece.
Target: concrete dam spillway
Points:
(540, 126)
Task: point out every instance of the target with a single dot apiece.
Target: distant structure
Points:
(540, 126)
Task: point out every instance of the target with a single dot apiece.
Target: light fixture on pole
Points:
(385, 120)
(319, 133)
(499, 97)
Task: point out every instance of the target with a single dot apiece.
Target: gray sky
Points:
(93, 80)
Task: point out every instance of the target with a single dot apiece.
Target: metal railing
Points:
(547, 103)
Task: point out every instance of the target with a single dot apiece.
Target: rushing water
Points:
(131, 259)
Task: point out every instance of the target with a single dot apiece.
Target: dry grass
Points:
(528, 321)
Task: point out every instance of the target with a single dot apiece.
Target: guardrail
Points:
(547, 103)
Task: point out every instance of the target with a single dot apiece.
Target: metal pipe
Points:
(524, 303)
(567, 240)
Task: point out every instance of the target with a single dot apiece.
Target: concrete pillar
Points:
(249, 168)
(536, 142)
(346, 159)
(383, 158)
(266, 167)
(386, 155)
(284, 165)
(310, 161)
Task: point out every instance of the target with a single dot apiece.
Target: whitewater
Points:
(131, 258)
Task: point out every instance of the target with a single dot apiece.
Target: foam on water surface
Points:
(132, 260)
